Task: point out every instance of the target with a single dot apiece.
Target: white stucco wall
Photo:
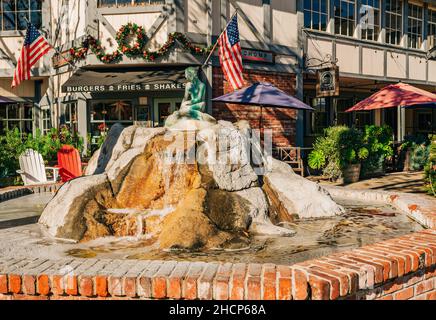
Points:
(373, 62)
(348, 58)
(396, 65)
(145, 20)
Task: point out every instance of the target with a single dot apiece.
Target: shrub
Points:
(430, 168)
(11, 146)
(418, 147)
(317, 159)
(378, 142)
(13, 143)
(337, 149)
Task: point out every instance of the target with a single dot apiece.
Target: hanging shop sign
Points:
(61, 59)
(257, 56)
(124, 87)
(327, 84)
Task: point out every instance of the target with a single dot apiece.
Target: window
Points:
(19, 115)
(316, 14)
(362, 119)
(371, 28)
(317, 121)
(394, 22)
(414, 30)
(345, 18)
(342, 117)
(121, 3)
(431, 29)
(14, 13)
(46, 120)
(424, 122)
(108, 112)
(70, 116)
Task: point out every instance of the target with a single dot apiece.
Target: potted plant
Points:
(430, 168)
(414, 152)
(378, 141)
(339, 153)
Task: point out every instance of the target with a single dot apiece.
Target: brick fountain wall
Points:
(397, 269)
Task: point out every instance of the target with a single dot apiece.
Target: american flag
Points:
(34, 47)
(230, 54)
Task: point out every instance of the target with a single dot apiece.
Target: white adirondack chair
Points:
(33, 170)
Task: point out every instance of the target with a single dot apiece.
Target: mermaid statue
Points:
(191, 112)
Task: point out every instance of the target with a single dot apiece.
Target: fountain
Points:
(190, 185)
(194, 210)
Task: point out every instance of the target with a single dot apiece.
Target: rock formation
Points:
(183, 189)
(293, 196)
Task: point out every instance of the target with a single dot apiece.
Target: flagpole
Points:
(53, 47)
(216, 43)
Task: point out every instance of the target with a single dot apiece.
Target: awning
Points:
(125, 80)
(6, 100)
(396, 95)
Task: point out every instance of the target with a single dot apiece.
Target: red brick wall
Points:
(281, 121)
(397, 269)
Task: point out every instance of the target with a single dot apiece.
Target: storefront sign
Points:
(327, 82)
(125, 87)
(61, 59)
(257, 56)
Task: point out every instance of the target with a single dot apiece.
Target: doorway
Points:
(164, 107)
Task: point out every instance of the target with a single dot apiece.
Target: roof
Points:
(6, 100)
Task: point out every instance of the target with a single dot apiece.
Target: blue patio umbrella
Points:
(263, 94)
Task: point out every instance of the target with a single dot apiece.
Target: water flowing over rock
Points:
(182, 189)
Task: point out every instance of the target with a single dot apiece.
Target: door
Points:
(164, 108)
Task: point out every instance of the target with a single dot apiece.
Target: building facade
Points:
(394, 45)
(284, 42)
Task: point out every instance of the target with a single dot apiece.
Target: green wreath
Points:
(124, 36)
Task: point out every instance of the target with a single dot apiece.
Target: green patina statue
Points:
(194, 102)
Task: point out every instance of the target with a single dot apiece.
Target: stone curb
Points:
(16, 192)
(418, 207)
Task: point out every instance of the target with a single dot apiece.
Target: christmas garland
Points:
(90, 43)
(137, 49)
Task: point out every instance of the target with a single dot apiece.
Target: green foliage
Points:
(419, 157)
(411, 141)
(13, 143)
(317, 159)
(378, 142)
(418, 146)
(339, 147)
(11, 146)
(430, 168)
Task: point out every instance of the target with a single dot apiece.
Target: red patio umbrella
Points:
(396, 95)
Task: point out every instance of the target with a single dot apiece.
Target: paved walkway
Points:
(410, 182)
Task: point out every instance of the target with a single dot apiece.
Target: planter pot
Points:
(406, 164)
(373, 170)
(351, 173)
